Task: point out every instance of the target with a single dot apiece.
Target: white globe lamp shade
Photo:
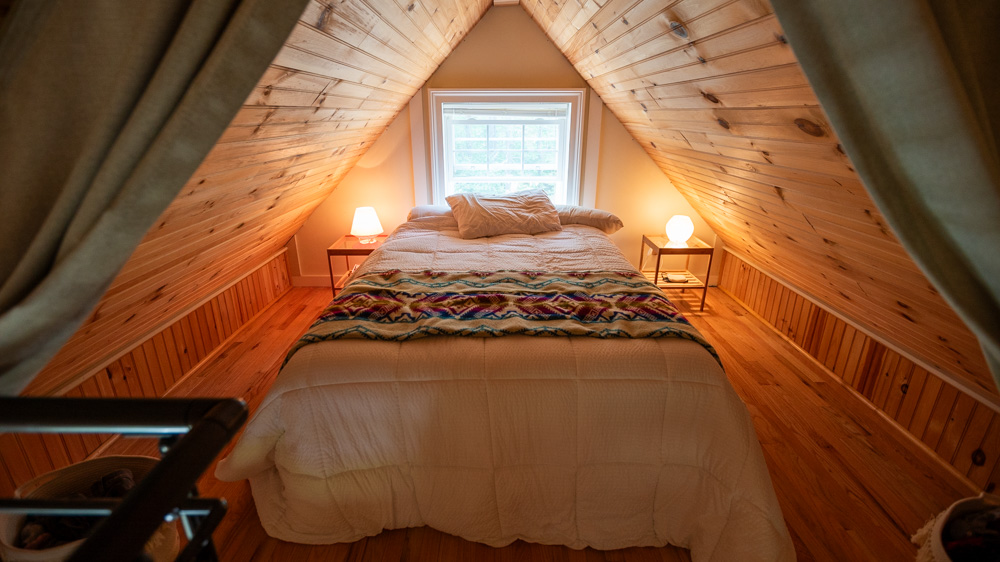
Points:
(679, 229)
(366, 226)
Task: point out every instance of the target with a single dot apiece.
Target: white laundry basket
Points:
(162, 546)
(929, 537)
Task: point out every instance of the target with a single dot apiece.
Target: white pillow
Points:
(421, 211)
(527, 212)
(601, 220)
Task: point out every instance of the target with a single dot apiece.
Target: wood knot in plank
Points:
(324, 17)
(678, 29)
(809, 128)
(710, 97)
(978, 457)
(722, 123)
(903, 388)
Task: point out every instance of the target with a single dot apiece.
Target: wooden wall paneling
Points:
(900, 387)
(151, 369)
(34, 451)
(134, 385)
(6, 479)
(961, 430)
(924, 406)
(90, 388)
(15, 463)
(943, 407)
(56, 449)
(884, 377)
(164, 366)
(216, 317)
(175, 366)
(919, 337)
(979, 425)
(345, 72)
(908, 406)
(981, 471)
(956, 426)
(207, 341)
(727, 114)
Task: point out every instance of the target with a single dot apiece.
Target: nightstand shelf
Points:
(659, 246)
(348, 246)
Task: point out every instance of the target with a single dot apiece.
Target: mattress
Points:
(600, 442)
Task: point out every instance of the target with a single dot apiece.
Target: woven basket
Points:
(162, 546)
(928, 539)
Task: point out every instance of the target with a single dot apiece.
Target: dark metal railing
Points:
(192, 432)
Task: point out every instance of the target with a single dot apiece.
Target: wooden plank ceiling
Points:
(347, 69)
(713, 92)
(710, 88)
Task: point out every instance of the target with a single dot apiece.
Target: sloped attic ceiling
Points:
(709, 88)
(346, 70)
(714, 94)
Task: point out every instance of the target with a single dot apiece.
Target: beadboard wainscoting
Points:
(962, 431)
(151, 369)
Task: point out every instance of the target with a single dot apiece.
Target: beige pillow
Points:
(601, 220)
(421, 211)
(527, 212)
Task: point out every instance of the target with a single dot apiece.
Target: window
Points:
(498, 141)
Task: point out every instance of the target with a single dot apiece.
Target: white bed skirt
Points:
(572, 441)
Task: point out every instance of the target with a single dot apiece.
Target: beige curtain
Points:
(912, 87)
(106, 109)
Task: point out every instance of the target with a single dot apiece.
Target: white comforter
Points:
(573, 441)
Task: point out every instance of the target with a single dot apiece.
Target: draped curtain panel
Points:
(912, 88)
(106, 109)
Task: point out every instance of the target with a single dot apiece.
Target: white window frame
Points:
(575, 97)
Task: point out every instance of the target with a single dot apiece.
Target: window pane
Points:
(471, 157)
(470, 131)
(459, 144)
(485, 188)
(506, 144)
(506, 131)
(500, 147)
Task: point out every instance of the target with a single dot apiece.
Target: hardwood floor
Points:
(851, 485)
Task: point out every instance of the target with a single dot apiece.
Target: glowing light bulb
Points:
(679, 230)
(366, 226)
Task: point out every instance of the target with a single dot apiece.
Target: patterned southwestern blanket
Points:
(399, 306)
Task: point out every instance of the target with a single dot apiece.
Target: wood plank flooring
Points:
(851, 485)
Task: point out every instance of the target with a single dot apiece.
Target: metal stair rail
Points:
(192, 432)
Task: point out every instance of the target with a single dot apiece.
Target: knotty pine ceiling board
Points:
(344, 73)
(713, 92)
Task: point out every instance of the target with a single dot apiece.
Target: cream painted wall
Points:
(382, 178)
(630, 185)
(505, 49)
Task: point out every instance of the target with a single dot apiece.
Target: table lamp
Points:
(366, 226)
(679, 230)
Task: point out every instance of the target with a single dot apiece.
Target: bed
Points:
(547, 434)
